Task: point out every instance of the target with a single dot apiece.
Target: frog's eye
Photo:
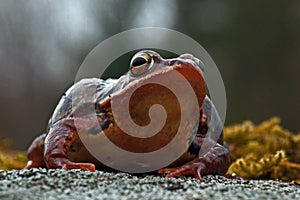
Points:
(140, 63)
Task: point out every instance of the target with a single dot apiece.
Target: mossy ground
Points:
(264, 151)
(11, 159)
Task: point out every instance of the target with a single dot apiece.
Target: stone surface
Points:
(77, 184)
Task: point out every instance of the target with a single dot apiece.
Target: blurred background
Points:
(255, 44)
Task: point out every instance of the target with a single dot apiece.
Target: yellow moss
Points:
(10, 159)
(265, 151)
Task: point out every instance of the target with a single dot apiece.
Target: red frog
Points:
(61, 147)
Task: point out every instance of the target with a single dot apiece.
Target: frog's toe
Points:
(167, 171)
(184, 170)
(197, 173)
(190, 169)
(32, 164)
(83, 166)
(64, 163)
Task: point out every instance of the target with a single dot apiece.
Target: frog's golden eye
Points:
(140, 63)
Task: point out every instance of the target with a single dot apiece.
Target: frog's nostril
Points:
(199, 63)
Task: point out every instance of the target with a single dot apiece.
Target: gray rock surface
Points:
(77, 184)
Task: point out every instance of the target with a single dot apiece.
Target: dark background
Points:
(255, 45)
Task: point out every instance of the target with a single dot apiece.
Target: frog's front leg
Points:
(57, 145)
(35, 153)
(215, 161)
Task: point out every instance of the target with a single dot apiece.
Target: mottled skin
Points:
(61, 148)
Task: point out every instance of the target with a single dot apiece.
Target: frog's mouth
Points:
(141, 94)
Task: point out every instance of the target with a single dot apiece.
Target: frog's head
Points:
(150, 81)
(149, 66)
(143, 61)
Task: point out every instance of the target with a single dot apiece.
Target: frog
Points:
(61, 146)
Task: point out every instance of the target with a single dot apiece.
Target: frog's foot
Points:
(193, 168)
(84, 166)
(57, 146)
(32, 164)
(64, 163)
(35, 153)
(215, 161)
